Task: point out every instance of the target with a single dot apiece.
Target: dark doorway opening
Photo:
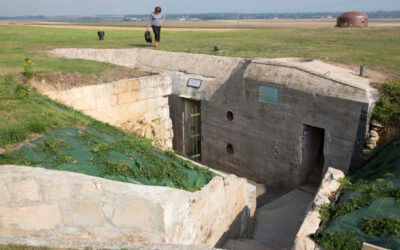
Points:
(192, 129)
(312, 158)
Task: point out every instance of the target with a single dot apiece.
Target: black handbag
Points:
(147, 37)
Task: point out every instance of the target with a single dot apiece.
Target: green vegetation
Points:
(375, 46)
(368, 204)
(335, 241)
(387, 109)
(28, 71)
(381, 227)
(31, 113)
(22, 247)
(121, 157)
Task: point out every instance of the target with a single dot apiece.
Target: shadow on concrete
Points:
(234, 229)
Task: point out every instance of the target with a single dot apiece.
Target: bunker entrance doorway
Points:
(192, 129)
(312, 155)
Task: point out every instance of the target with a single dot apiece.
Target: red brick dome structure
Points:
(352, 18)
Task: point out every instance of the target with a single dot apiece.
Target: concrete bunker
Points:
(282, 122)
(275, 121)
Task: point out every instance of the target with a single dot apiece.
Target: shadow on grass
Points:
(142, 45)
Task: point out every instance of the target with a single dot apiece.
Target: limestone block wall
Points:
(136, 105)
(328, 188)
(63, 205)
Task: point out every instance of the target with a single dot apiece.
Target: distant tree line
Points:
(204, 16)
(230, 16)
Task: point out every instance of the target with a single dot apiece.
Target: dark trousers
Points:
(157, 32)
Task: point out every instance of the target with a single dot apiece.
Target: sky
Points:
(123, 7)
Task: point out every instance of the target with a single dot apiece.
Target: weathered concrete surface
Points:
(73, 206)
(246, 244)
(329, 186)
(278, 222)
(84, 244)
(137, 105)
(266, 138)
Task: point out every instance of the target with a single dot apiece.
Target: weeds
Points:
(11, 135)
(334, 241)
(52, 147)
(14, 159)
(387, 109)
(28, 68)
(22, 91)
(381, 227)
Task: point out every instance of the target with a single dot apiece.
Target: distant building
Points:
(352, 18)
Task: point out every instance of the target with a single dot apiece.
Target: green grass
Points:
(387, 109)
(22, 247)
(375, 47)
(21, 117)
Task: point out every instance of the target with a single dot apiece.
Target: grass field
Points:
(376, 47)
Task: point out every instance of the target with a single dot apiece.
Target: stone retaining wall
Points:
(328, 188)
(137, 105)
(63, 205)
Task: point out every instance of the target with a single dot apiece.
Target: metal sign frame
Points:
(194, 83)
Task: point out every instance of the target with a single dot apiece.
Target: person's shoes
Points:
(156, 45)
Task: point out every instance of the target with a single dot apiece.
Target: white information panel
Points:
(194, 83)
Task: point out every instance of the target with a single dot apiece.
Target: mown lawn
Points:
(376, 47)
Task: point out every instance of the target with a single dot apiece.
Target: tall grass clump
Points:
(387, 109)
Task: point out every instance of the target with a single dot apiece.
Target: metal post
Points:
(362, 70)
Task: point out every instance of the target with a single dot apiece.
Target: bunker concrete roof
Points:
(311, 76)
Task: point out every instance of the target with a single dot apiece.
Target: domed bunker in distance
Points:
(352, 18)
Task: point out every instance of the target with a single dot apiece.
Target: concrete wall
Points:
(68, 206)
(266, 138)
(136, 105)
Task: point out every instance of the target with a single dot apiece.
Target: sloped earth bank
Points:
(367, 209)
(124, 158)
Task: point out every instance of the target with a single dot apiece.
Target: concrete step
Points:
(309, 188)
(277, 223)
(245, 244)
(279, 201)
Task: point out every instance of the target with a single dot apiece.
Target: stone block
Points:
(27, 189)
(134, 214)
(4, 193)
(119, 87)
(84, 213)
(90, 189)
(150, 92)
(128, 97)
(33, 218)
(103, 102)
(85, 104)
(113, 100)
(133, 85)
(101, 90)
(57, 191)
(374, 133)
(158, 91)
(142, 94)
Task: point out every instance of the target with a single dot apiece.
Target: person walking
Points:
(155, 21)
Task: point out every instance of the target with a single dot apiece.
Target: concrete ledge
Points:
(329, 185)
(82, 244)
